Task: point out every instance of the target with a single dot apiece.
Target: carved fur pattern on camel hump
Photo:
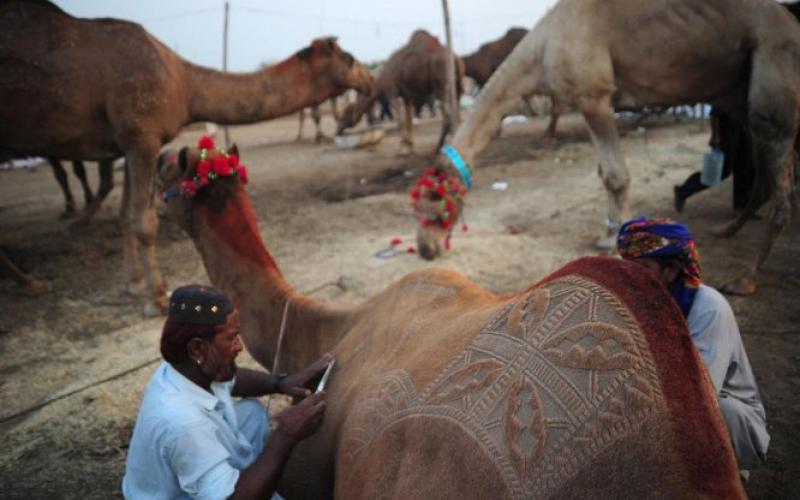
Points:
(553, 380)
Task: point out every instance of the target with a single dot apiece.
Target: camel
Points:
(96, 89)
(317, 117)
(93, 202)
(415, 73)
(481, 64)
(739, 55)
(585, 382)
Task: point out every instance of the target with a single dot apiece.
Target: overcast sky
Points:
(268, 31)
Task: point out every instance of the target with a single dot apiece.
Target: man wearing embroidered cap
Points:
(668, 250)
(191, 439)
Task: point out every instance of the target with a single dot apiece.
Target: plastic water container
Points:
(711, 174)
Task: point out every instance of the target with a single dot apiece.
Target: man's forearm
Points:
(254, 383)
(260, 479)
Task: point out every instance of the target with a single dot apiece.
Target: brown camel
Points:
(96, 89)
(93, 202)
(739, 55)
(481, 65)
(415, 73)
(586, 382)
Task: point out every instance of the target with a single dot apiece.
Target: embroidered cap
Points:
(199, 305)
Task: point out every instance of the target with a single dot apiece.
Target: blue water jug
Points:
(712, 167)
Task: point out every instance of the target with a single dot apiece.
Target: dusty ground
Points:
(324, 213)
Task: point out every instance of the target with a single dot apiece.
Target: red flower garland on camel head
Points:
(212, 166)
(436, 186)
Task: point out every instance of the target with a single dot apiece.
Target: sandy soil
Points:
(324, 213)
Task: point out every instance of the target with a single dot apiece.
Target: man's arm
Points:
(261, 478)
(254, 383)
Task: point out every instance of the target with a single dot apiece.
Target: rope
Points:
(48, 401)
(53, 399)
(278, 348)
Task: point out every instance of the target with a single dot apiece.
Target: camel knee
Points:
(615, 181)
(147, 228)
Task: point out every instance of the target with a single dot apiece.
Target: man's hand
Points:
(303, 419)
(299, 385)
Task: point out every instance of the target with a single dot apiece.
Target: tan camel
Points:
(95, 89)
(481, 65)
(415, 73)
(317, 117)
(739, 55)
(585, 384)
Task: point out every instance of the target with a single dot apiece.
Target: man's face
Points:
(222, 349)
(665, 275)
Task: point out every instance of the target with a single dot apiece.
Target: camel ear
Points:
(233, 150)
(183, 161)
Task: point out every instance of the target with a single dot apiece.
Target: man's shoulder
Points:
(710, 298)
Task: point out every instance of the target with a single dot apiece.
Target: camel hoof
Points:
(133, 288)
(725, 230)
(745, 285)
(67, 214)
(606, 243)
(35, 288)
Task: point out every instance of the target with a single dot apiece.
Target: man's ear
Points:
(196, 349)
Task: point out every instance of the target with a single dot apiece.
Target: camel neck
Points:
(241, 98)
(238, 262)
(519, 76)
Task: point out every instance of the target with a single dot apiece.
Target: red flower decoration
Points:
(203, 169)
(233, 161)
(189, 188)
(241, 171)
(221, 166)
(205, 142)
(395, 241)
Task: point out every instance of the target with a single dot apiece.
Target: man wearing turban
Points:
(191, 439)
(667, 249)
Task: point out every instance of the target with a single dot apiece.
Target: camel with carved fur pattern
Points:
(97, 89)
(739, 55)
(587, 383)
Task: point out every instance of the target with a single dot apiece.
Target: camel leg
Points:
(335, 108)
(772, 111)
(599, 116)
(30, 287)
(302, 117)
(132, 264)
(106, 168)
(406, 128)
(144, 220)
(61, 177)
(80, 172)
(317, 116)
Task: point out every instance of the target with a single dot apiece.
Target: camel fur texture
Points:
(584, 384)
(598, 55)
(416, 74)
(97, 89)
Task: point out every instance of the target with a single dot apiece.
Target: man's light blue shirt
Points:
(187, 442)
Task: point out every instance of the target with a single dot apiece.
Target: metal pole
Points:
(451, 97)
(225, 62)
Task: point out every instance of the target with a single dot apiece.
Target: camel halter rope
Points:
(275, 362)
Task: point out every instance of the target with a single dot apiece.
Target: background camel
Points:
(416, 73)
(586, 382)
(93, 202)
(739, 55)
(481, 65)
(317, 117)
(96, 89)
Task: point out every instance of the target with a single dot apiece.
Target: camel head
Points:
(325, 55)
(437, 198)
(204, 174)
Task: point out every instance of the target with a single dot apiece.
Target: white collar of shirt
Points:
(206, 399)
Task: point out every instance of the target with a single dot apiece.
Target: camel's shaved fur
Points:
(96, 89)
(598, 55)
(446, 390)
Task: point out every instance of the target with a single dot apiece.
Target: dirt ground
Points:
(324, 213)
